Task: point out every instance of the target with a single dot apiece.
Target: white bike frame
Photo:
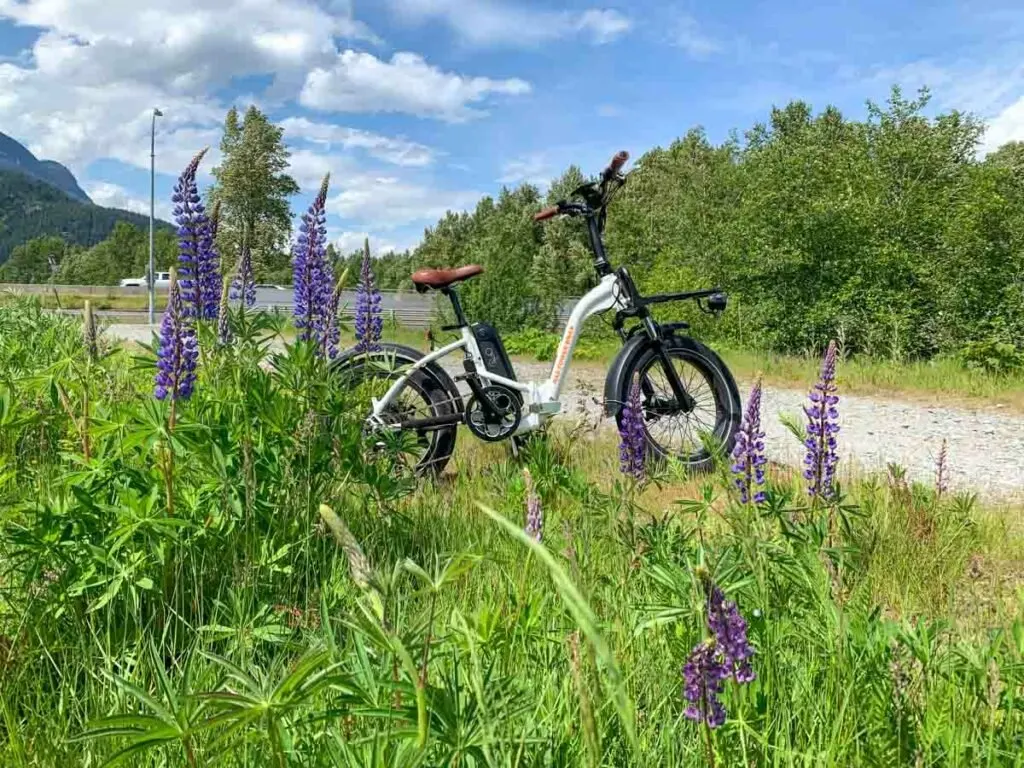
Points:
(541, 399)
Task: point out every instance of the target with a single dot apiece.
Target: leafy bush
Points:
(993, 356)
(807, 223)
(542, 345)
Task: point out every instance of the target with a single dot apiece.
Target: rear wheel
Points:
(424, 451)
(671, 430)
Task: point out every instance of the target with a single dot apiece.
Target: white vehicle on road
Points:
(163, 280)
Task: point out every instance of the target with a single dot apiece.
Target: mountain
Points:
(31, 208)
(15, 157)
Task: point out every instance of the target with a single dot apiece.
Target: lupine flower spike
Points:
(332, 326)
(243, 287)
(200, 279)
(223, 318)
(822, 427)
(941, 472)
(89, 335)
(312, 273)
(704, 676)
(369, 324)
(177, 352)
(212, 282)
(632, 436)
(730, 631)
(748, 454)
(534, 513)
(725, 654)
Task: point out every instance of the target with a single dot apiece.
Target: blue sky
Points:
(417, 106)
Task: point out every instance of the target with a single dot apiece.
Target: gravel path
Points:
(985, 445)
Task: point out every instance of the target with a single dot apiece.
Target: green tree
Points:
(253, 186)
(34, 262)
(886, 232)
(124, 254)
(31, 209)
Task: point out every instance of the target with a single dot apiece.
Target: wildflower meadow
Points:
(204, 563)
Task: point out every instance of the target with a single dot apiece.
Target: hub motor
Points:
(493, 427)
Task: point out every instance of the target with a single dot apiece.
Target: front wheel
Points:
(672, 429)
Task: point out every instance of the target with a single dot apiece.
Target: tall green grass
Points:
(310, 604)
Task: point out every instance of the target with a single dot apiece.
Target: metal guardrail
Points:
(407, 308)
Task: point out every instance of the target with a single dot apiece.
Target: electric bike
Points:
(687, 393)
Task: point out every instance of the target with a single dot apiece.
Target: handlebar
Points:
(596, 196)
(615, 165)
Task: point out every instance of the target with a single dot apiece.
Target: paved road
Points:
(985, 445)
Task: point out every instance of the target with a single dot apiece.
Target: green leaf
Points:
(585, 619)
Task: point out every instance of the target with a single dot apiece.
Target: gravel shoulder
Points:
(985, 444)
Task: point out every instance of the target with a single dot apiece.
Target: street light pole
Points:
(151, 277)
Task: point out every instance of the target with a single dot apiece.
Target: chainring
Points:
(493, 429)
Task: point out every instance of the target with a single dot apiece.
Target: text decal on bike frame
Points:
(563, 353)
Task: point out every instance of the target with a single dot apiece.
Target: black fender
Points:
(617, 380)
(616, 384)
(431, 377)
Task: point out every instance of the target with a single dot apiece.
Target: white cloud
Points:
(531, 169)
(115, 196)
(184, 45)
(993, 91)
(99, 66)
(1006, 126)
(360, 82)
(349, 241)
(492, 22)
(605, 25)
(609, 110)
(386, 202)
(690, 38)
(308, 167)
(395, 150)
(76, 124)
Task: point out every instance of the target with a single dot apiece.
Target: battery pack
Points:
(493, 351)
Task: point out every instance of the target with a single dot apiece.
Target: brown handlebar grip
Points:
(618, 161)
(547, 213)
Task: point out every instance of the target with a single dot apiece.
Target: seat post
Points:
(460, 317)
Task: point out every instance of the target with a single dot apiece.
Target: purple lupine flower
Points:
(704, 676)
(211, 282)
(941, 472)
(332, 329)
(369, 324)
(178, 350)
(313, 274)
(725, 654)
(224, 335)
(196, 255)
(748, 453)
(730, 631)
(243, 287)
(822, 426)
(534, 513)
(632, 436)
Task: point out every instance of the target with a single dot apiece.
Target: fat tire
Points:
(433, 385)
(728, 405)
